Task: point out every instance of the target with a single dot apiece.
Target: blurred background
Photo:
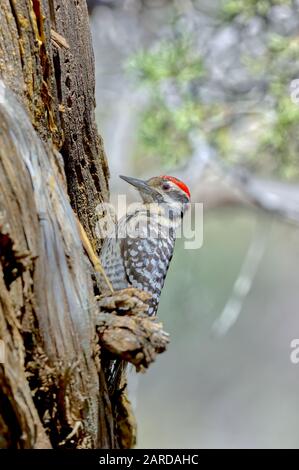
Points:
(208, 91)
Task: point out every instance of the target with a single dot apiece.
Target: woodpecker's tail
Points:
(115, 375)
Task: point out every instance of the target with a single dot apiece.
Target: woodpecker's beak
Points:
(141, 185)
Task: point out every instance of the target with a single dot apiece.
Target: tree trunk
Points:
(53, 391)
(59, 338)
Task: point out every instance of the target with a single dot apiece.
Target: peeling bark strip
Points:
(46, 58)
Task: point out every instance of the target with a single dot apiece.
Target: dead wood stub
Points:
(127, 332)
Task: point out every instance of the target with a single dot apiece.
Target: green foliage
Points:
(164, 129)
(249, 8)
(170, 59)
(281, 140)
(173, 73)
(163, 133)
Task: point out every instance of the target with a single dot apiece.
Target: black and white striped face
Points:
(166, 190)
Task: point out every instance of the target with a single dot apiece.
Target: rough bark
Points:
(46, 288)
(46, 58)
(53, 388)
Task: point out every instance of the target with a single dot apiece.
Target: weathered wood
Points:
(56, 84)
(53, 388)
(125, 329)
(46, 59)
(85, 160)
(20, 424)
(52, 294)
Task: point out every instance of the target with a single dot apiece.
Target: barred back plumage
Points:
(138, 253)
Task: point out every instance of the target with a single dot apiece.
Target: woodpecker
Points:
(138, 252)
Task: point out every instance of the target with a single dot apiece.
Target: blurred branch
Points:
(280, 199)
(276, 198)
(244, 280)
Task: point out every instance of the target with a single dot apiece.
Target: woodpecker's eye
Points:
(165, 186)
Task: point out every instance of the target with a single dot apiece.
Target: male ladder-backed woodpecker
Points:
(140, 250)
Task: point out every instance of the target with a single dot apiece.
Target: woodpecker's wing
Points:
(113, 264)
(146, 256)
